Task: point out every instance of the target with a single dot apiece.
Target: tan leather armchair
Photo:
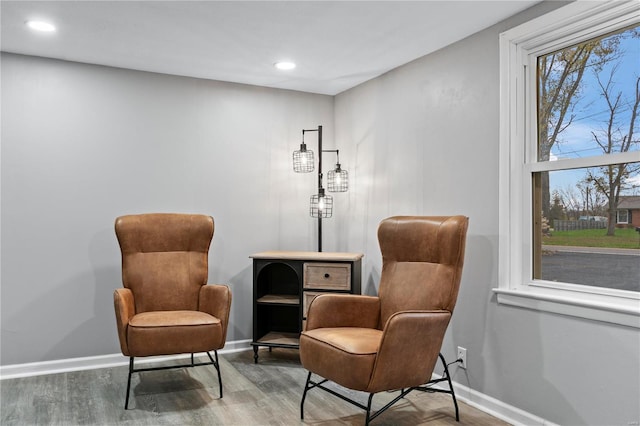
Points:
(393, 341)
(165, 307)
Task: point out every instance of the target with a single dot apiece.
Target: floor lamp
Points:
(321, 204)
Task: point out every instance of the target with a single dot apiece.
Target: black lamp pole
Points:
(320, 189)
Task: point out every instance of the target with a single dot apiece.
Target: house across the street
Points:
(628, 212)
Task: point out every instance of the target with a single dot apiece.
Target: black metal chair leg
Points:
(219, 373)
(427, 387)
(369, 415)
(216, 364)
(304, 395)
(366, 421)
(453, 394)
(126, 401)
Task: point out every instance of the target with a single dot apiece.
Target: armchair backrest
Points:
(164, 258)
(422, 258)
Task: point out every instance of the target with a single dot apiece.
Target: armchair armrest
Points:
(125, 310)
(215, 299)
(343, 310)
(415, 338)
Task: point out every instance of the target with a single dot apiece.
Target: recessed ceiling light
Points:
(41, 26)
(285, 66)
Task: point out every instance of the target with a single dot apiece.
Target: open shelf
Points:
(282, 299)
(280, 338)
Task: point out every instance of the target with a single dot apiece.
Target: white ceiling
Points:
(336, 44)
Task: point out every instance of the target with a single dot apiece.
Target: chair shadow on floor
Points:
(173, 390)
(412, 410)
(415, 409)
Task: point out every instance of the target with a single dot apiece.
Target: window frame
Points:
(519, 49)
(626, 214)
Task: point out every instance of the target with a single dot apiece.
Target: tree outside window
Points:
(588, 100)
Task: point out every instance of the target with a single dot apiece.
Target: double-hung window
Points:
(569, 152)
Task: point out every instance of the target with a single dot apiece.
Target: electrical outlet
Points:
(462, 357)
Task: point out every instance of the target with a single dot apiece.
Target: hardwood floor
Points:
(267, 393)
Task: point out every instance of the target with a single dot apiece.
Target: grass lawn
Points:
(624, 238)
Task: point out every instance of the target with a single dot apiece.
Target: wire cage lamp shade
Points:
(337, 180)
(303, 160)
(321, 205)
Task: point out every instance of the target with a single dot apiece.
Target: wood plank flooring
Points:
(267, 393)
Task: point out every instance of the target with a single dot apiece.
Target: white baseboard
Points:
(495, 407)
(486, 403)
(102, 361)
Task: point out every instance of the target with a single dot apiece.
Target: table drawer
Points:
(327, 276)
(307, 298)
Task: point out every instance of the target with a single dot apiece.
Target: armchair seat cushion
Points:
(352, 340)
(173, 332)
(344, 355)
(172, 319)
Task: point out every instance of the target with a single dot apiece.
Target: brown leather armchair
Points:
(165, 307)
(393, 341)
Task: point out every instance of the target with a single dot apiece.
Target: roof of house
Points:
(629, 202)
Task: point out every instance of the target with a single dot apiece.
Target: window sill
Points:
(626, 313)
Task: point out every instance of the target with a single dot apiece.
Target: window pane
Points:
(581, 240)
(587, 95)
(623, 216)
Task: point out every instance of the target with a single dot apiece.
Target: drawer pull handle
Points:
(327, 275)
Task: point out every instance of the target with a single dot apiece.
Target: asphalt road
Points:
(618, 269)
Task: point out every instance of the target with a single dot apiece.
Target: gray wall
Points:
(427, 141)
(83, 144)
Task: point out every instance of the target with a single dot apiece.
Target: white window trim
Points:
(626, 222)
(518, 48)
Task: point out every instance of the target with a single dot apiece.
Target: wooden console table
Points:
(285, 283)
